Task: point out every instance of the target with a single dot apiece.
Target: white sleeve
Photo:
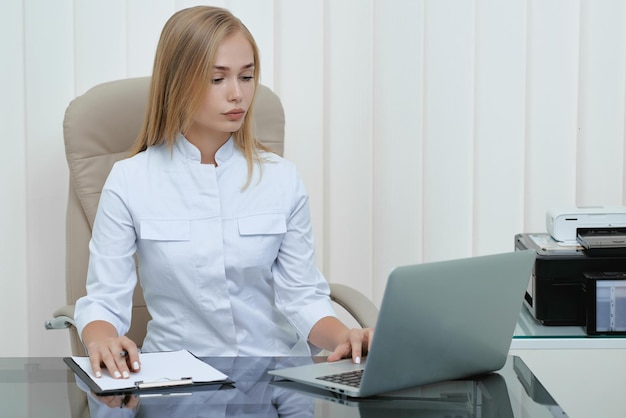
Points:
(301, 291)
(111, 274)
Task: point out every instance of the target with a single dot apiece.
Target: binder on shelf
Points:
(606, 302)
(162, 370)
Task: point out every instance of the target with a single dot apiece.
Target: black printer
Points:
(556, 293)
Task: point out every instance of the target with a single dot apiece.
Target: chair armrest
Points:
(62, 318)
(356, 303)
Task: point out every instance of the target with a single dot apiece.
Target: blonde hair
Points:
(183, 65)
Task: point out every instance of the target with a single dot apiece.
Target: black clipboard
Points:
(130, 385)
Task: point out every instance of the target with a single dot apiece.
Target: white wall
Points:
(424, 129)
(13, 193)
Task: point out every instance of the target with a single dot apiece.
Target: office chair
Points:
(99, 128)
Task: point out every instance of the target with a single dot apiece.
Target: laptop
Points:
(437, 321)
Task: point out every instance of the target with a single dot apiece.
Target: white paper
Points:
(157, 367)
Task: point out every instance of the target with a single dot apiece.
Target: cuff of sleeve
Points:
(85, 315)
(307, 316)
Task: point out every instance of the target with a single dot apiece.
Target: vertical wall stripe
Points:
(349, 162)
(325, 178)
(602, 66)
(14, 294)
(449, 141)
(552, 111)
(499, 90)
(397, 145)
(301, 87)
(49, 81)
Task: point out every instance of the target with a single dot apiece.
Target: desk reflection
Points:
(484, 396)
(252, 395)
(46, 387)
(255, 393)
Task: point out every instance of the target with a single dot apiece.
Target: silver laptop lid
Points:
(446, 320)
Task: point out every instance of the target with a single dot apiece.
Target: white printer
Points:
(564, 224)
(579, 276)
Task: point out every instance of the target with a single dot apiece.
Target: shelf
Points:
(531, 334)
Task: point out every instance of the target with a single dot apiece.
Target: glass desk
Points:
(45, 387)
(531, 334)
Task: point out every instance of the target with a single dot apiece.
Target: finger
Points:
(110, 401)
(133, 361)
(110, 361)
(370, 337)
(131, 354)
(341, 351)
(121, 362)
(95, 361)
(356, 343)
(133, 402)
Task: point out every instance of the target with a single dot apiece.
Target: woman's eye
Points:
(247, 78)
(216, 80)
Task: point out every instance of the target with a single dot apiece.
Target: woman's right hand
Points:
(119, 355)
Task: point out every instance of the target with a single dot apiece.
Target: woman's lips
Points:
(235, 114)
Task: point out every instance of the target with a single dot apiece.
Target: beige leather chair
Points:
(99, 128)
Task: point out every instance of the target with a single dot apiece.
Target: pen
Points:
(125, 400)
(124, 353)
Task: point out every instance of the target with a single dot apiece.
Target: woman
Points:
(220, 225)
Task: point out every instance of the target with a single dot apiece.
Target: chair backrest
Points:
(99, 128)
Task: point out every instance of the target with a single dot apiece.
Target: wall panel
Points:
(100, 41)
(499, 129)
(13, 261)
(397, 162)
(182, 4)
(551, 112)
(49, 78)
(599, 163)
(300, 33)
(448, 126)
(348, 156)
(144, 22)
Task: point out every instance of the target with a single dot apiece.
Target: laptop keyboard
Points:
(351, 378)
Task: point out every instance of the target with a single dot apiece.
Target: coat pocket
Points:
(265, 224)
(260, 237)
(168, 230)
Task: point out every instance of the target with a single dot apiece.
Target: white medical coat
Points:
(225, 271)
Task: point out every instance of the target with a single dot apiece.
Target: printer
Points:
(583, 249)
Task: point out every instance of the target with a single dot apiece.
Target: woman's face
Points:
(230, 92)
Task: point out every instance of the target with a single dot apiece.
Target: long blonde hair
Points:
(181, 75)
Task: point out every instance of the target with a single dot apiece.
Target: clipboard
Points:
(170, 370)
